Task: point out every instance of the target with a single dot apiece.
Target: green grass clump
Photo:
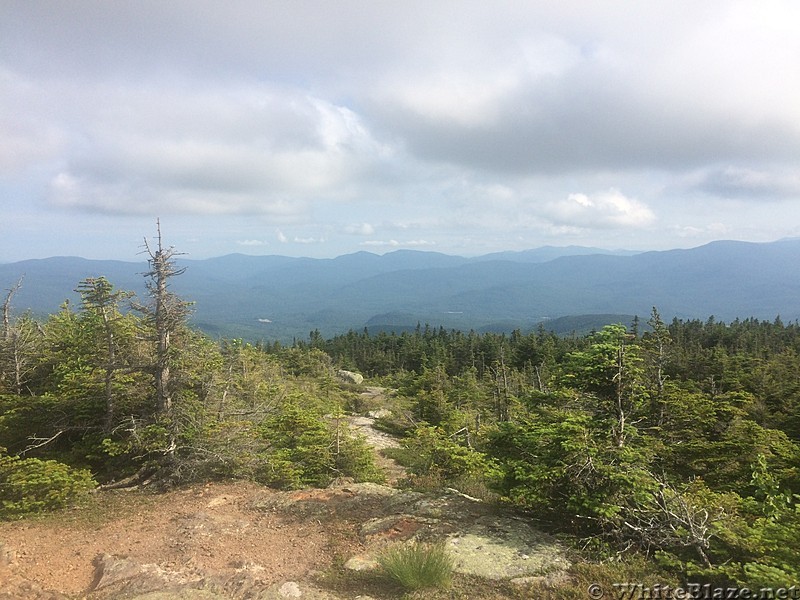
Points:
(418, 566)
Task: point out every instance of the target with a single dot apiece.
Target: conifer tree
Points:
(100, 299)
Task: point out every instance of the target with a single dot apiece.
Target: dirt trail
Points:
(365, 425)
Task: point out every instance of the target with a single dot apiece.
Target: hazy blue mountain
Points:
(275, 297)
(48, 282)
(547, 253)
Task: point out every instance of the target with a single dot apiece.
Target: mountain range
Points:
(567, 289)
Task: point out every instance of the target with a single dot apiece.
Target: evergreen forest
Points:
(671, 444)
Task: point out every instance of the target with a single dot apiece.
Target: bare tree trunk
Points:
(17, 363)
(619, 433)
(168, 313)
(502, 391)
(9, 343)
(17, 356)
(7, 309)
(161, 274)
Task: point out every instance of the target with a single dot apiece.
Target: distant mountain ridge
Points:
(278, 297)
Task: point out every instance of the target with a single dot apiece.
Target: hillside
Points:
(275, 297)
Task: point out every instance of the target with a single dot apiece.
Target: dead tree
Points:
(16, 346)
(7, 310)
(167, 313)
(671, 519)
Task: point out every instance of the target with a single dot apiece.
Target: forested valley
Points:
(651, 447)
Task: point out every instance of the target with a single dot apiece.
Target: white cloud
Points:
(28, 139)
(610, 209)
(259, 150)
(392, 243)
(710, 231)
(398, 244)
(471, 87)
(603, 87)
(342, 121)
(360, 229)
(252, 243)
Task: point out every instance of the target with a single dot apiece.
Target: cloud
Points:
(244, 151)
(744, 183)
(710, 231)
(398, 244)
(28, 140)
(458, 121)
(610, 209)
(252, 243)
(605, 91)
(472, 91)
(360, 229)
(288, 106)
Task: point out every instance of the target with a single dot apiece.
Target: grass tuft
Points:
(418, 566)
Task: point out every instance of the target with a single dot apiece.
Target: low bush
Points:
(30, 485)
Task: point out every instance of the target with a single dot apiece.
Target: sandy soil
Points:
(210, 527)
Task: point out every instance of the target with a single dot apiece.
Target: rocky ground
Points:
(237, 540)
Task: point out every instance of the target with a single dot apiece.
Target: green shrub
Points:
(418, 566)
(355, 459)
(307, 449)
(430, 453)
(397, 424)
(31, 485)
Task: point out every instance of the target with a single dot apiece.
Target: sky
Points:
(318, 128)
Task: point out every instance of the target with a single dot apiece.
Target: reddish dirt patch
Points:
(403, 529)
(210, 527)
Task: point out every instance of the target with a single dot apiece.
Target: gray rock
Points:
(485, 540)
(505, 554)
(290, 589)
(397, 527)
(381, 413)
(350, 377)
(361, 563)
(114, 575)
(293, 589)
